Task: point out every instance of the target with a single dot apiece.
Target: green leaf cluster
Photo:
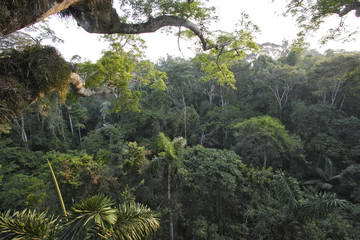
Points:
(92, 218)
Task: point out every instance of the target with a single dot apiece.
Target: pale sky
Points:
(264, 13)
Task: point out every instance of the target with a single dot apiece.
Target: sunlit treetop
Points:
(230, 49)
(120, 69)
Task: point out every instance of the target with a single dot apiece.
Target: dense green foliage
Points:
(196, 152)
(223, 146)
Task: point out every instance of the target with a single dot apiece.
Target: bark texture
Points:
(78, 85)
(17, 14)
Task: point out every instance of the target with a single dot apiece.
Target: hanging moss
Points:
(95, 12)
(29, 74)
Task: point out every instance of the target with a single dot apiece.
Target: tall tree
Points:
(279, 78)
(171, 155)
(120, 69)
(265, 138)
(77, 116)
(181, 86)
(232, 47)
(331, 77)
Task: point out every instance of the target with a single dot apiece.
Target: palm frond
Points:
(92, 215)
(329, 167)
(319, 204)
(135, 222)
(157, 163)
(336, 179)
(312, 182)
(165, 145)
(322, 174)
(326, 186)
(27, 225)
(288, 191)
(179, 144)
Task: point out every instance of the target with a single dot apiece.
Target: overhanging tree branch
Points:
(152, 25)
(102, 18)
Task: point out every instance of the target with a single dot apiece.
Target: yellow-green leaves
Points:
(213, 71)
(228, 49)
(146, 74)
(121, 70)
(5, 128)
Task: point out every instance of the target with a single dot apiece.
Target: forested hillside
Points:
(275, 156)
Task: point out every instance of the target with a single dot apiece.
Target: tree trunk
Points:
(70, 121)
(210, 93)
(265, 161)
(204, 136)
(343, 100)
(80, 135)
(21, 130)
(23, 133)
(169, 201)
(185, 117)
(222, 98)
